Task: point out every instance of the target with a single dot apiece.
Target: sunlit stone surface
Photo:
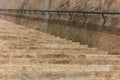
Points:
(69, 49)
(27, 54)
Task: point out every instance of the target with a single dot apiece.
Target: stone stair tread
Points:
(60, 51)
(59, 68)
(66, 59)
(18, 42)
(34, 36)
(71, 59)
(77, 49)
(32, 42)
(63, 72)
(54, 54)
(81, 48)
(16, 37)
(21, 46)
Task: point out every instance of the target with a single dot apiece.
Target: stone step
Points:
(58, 72)
(55, 68)
(60, 76)
(35, 43)
(31, 39)
(17, 37)
(28, 33)
(42, 46)
(82, 47)
(46, 76)
(44, 36)
(37, 48)
(55, 54)
(81, 59)
(39, 45)
(62, 59)
(37, 59)
(88, 51)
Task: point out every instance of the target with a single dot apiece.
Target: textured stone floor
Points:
(27, 54)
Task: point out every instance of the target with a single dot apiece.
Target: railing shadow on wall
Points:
(88, 26)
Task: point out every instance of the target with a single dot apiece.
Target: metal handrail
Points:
(62, 11)
(85, 13)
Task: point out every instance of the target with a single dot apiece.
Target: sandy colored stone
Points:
(4, 61)
(24, 61)
(19, 62)
(115, 68)
(23, 55)
(107, 75)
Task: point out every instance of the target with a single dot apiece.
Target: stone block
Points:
(4, 61)
(23, 55)
(115, 68)
(107, 75)
(96, 68)
(23, 61)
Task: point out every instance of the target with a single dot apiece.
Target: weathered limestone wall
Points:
(78, 29)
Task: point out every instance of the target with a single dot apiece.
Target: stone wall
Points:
(86, 31)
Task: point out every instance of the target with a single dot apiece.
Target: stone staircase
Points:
(27, 54)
